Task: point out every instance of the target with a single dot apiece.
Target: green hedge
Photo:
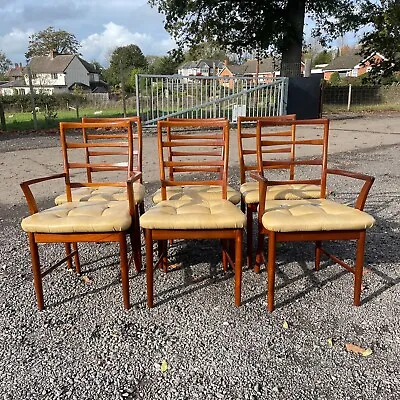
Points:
(22, 102)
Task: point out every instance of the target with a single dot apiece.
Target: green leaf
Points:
(330, 342)
(164, 366)
(285, 325)
(366, 352)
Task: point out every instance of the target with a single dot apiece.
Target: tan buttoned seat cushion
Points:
(101, 216)
(106, 193)
(198, 193)
(191, 214)
(313, 215)
(249, 191)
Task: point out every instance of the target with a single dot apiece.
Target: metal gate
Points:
(161, 96)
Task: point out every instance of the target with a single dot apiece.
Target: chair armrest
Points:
(262, 191)
(368, 181)
(132, 177)
(28, 193)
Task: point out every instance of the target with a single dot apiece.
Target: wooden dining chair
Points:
(316, 220)
(83, 221)
(280, 146)
(206, 192)
(194, 153)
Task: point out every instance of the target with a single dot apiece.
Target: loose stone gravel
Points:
(84, 345)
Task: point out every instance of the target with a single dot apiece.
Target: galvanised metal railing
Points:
(162, 96)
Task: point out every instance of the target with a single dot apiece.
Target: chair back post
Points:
(324, 159)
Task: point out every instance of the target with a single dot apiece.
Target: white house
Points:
(201, 68)
(56, 73)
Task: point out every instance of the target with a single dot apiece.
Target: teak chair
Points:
(190, 157)
(314, 220)
(280, 146)
(77, 221)
(199, 192)
(131, 161)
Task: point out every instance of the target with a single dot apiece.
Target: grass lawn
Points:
(24, 121)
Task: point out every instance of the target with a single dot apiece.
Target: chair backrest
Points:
(307, 145)
(100, 141)
(137, 144)
(247, 142)
(193, 152)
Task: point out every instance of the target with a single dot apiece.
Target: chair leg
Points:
(271, 269)
(238, 267)
(68, 253)
(259, 253)
(359, 268)
(76, 258)
(249, 214)
(124, 270)
(141, 208)
(37, 275)
(318, 245)
(149, 266)
(136, 243)
(224, 243)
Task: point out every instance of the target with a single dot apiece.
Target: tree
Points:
(5, 65)
(384, 39)
(123, 60)
(264, 26)
(43, 42)
(166, 65)
(206, 50)
(323, 57)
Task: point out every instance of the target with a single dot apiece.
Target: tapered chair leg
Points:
(238, 267)
(271, 269)
(68, 254)
(76, 258)
(225, 249)
(124, 270)
(249, 214)
(149, 266)
(259, 253)
(318, 245)
(37, 275)
(359, 268)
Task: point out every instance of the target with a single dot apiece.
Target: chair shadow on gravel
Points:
(381, 256)
(185, 256)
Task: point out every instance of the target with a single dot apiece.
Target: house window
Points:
(34, 76)
(54, 76)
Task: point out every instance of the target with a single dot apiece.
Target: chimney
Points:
(16, 65)
(53, 53)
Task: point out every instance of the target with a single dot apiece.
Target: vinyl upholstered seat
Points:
(104, 193)
(198, 193)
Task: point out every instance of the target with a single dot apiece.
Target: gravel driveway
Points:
(85, 346)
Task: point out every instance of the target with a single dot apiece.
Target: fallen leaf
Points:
(285, 325)
(174, 266)
(330, 342)
(358, 350)
(366, 271)
(87, 280)
(164, 366)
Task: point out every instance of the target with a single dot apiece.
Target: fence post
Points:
(349, 99)
(2, 117)
(32, 95)
(137, 95)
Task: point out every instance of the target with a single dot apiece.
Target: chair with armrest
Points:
(316, 220)
(194, 153)
(280, 146)
(82, 221)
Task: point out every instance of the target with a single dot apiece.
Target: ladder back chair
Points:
(127, 156)
(281, 146)
(102, 220)
(315, 220)
(206, 192)
(194, 154)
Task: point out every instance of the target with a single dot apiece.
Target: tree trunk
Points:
(293, 42)
(2, 117)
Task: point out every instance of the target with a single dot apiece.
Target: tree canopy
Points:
(123, 60)
(5, 64)
(384, 38)
(264, 26)
(41, 43)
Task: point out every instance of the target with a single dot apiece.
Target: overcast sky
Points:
(99, 25)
